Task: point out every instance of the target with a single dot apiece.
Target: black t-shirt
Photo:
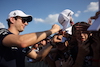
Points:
(10, 56)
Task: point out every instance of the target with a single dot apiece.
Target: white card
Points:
(95, 26)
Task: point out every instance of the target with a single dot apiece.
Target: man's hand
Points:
(55, 28)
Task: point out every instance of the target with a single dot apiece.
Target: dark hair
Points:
(83, 24)
(9, 22)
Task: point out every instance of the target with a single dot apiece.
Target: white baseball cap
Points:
(64, 18)
(21, 14)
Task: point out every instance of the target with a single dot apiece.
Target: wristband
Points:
(51, 43)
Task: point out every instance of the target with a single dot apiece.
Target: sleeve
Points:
(3, 33)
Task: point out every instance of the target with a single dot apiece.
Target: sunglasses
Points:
(24, 19)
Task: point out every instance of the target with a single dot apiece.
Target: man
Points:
(14, 47)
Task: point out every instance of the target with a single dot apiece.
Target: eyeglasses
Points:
(24, 19)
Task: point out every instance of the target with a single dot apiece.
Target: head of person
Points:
(79, 31)
(17, 19)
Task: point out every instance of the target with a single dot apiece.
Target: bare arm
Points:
(28, 39)
(43, 53)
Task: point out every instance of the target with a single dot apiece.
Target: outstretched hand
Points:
(55, 28)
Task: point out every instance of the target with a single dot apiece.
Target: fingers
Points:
(55, 28)
(68, 63)
(90, 21)
(70, 60)
(57, 38)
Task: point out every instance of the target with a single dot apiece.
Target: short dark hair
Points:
(9, 22)
(83, 24)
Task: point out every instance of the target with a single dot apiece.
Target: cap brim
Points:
(28, 18)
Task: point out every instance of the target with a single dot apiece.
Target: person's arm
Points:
(83, 50)
(28, 39)
(43, 52)
(96, 51)
(96, 15)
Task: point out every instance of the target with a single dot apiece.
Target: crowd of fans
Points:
(72, 46)
(81, 48)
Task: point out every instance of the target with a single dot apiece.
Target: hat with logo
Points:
(64, 18)
(21, 14)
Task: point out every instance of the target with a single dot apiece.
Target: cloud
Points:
(1, 25)
(38, 20)
(93, 6)
(77, 14)
(51, 19)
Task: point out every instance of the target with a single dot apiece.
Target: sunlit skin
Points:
(17, 25)
(20, 25)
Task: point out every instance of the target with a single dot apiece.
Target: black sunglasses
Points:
(24, 19)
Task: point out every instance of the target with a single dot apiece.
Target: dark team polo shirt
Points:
(10, 56)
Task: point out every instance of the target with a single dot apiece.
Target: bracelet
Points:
(51, 43)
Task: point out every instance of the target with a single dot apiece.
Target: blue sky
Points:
(45, 12)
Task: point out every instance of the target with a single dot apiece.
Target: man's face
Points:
(20, 24)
